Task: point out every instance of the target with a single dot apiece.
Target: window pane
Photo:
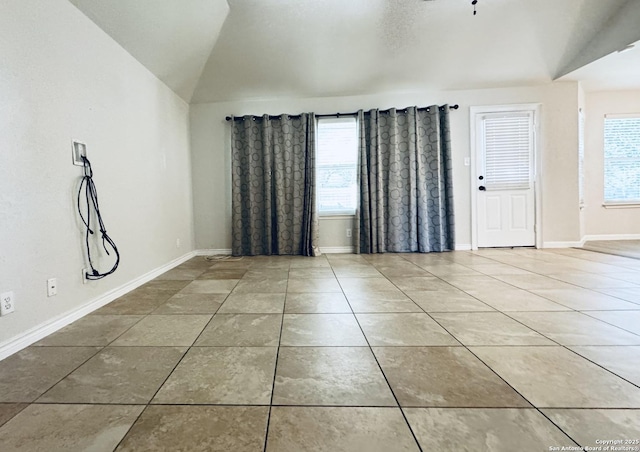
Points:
(336, 165)
(508, 144)
(621, 159)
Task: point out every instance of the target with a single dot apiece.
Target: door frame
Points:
(474, 116)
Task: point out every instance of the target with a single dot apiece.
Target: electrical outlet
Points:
(177, 243)
(348, 232)
(7, 303)
(52, 287)
(78, 150)
(85, 271)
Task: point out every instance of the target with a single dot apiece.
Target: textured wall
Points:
(62, 77)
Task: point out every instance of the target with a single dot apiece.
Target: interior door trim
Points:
(474, 113)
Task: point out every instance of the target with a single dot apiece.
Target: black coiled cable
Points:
(91, 197)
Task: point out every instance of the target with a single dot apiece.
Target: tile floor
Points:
(498, 350)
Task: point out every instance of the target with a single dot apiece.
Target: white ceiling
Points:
(312, 48)
(172, 38)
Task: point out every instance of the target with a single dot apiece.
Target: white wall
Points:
(61, 77)
(599, 220)
(559, 129)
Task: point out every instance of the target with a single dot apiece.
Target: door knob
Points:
(481, 188)
(481, 177)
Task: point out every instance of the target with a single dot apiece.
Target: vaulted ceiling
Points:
(219, 50)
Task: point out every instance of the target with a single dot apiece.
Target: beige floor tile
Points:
(309, 303)
(533, 281)
(266, 273)
(198, 428)
(515, 300)
(197, 262)
(346, 376)
(592, 281)
(211, 286)
(308, 330)
(117, 375)
(221, 375)
(406, 329)
(498, 269)
(314, 285)
(298, 262)
(264, 286)
(312, 273)
(357, 271)
(192, 303)
(242, 330)
(164, 331)
(338, 429)
(450, 270)
(355, 286)
(575, 328)
(382, 302)
(628, 320)
(157, 285)
(443, 377)
(418, 283)
(584, 299)
(184, 274)
(253, 303)
(439, 301)
(632, 295)
(68, 428)
(98, 330)
(591, 427)
(622, 360)
(215, 273)
(556, 377)
(478, 282)
(135, 303)
(9, 410)
(484, 429)
(27, 374)
(488, 328)
(400, 271)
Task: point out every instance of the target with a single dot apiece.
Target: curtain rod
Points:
(451, 107)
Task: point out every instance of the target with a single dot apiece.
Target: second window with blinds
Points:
(337, 165)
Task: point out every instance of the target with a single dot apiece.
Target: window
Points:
(508, 150)
(581, 157)
(337, 164)
(622, 159)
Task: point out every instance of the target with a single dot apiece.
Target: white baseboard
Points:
(51, 326)
(577, 244)
(588, 238)
(213, 252)
(463, 247)
(337, 249)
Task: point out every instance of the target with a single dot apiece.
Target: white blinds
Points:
(508, 145)
(621, 159)
(337, 160)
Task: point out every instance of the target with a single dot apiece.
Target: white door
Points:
(505, 166)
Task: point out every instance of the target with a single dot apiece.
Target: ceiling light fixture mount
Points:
(474, 3)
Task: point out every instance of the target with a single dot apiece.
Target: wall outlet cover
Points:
(7, 303)
(78, 150)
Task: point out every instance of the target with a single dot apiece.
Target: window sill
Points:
(622, 205)
(336, 216)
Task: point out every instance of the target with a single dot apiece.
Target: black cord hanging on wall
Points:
(474, 3)
(91, 198)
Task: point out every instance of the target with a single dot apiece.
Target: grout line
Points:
(275, 368)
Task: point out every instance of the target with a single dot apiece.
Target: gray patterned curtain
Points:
(406, 186)
(273, 186)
